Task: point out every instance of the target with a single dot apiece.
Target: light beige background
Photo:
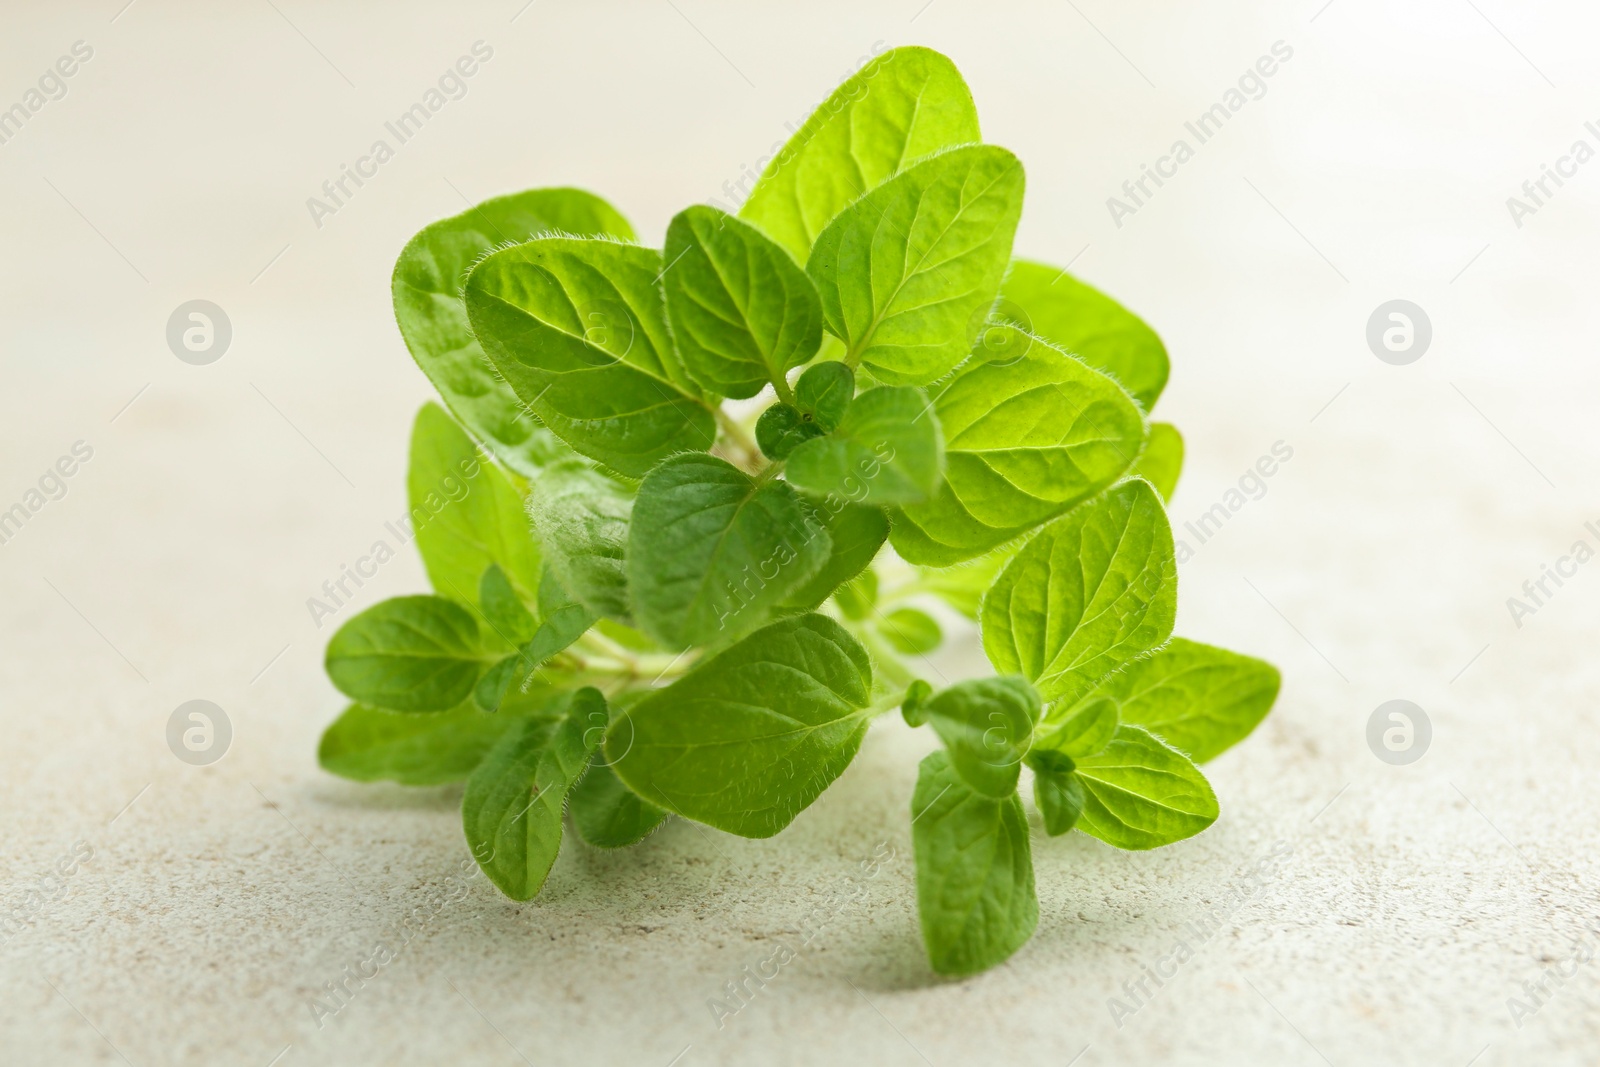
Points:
(1416, 900)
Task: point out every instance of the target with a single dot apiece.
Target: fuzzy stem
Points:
(610, 661)
(780, 385)
(888, 702)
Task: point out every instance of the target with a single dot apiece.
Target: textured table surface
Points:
(1342, 910)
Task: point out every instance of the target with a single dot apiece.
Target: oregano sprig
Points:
(648, 603)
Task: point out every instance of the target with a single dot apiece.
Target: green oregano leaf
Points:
(824, 393)
(855, 534)
(368, 744)
(913, 706)
(410, 653)
(986, 725)
(563, 618)
(713, 553)
(781, 429)
(626, 636)
(1090, 325)
(607, 814)
(793, 696)
(503, 609)
(905, 104)
(1162, 461)
(1026, 439)
(742, 312)
(907, 272)
(1083, 730)
(465, 513)
(886, 450)
(1057, 790)
(857, 597)
(496, 682)
(911, 631)
(963, 586)
(975, 890)
(578, 328)
(581, 517)
(433, 318)
(1199, 699)
(1088, 593)
(1142, 793)
(514, 801)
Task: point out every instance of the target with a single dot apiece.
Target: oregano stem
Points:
(612, 660)
(888, 702)
(594, 639)
(780, 385)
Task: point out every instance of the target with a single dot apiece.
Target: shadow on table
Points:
(384, 796)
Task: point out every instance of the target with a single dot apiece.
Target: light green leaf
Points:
(963, 586)
(563, 619)
(1057, 790)
(1162, 461)
(466, 514)
(581, 517)
(1198, 698)
(628, 637)
(1141, 793)
(747, 739)
(713, 553)
(496, 682)
(512, 807)
(369, 744)
(410, 653)
(1089, 324)
(911, 631)
(824, 392)
(886, 450)
(1088, 593)
(1083, 730)
(906, 103)
(578, 327)
(986, 725)
(857, 597)
(908, 272)
(607, 814)
(1026, 439)
(975, 890)
(942, 533)
(433, 320)
(503, 608)
(913, 704)
(742, 312)
(855, 533)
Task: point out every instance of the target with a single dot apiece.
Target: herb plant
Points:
(649, 601)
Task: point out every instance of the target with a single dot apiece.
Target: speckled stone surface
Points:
(1342, 910)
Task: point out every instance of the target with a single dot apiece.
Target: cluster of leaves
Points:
(649, 602)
